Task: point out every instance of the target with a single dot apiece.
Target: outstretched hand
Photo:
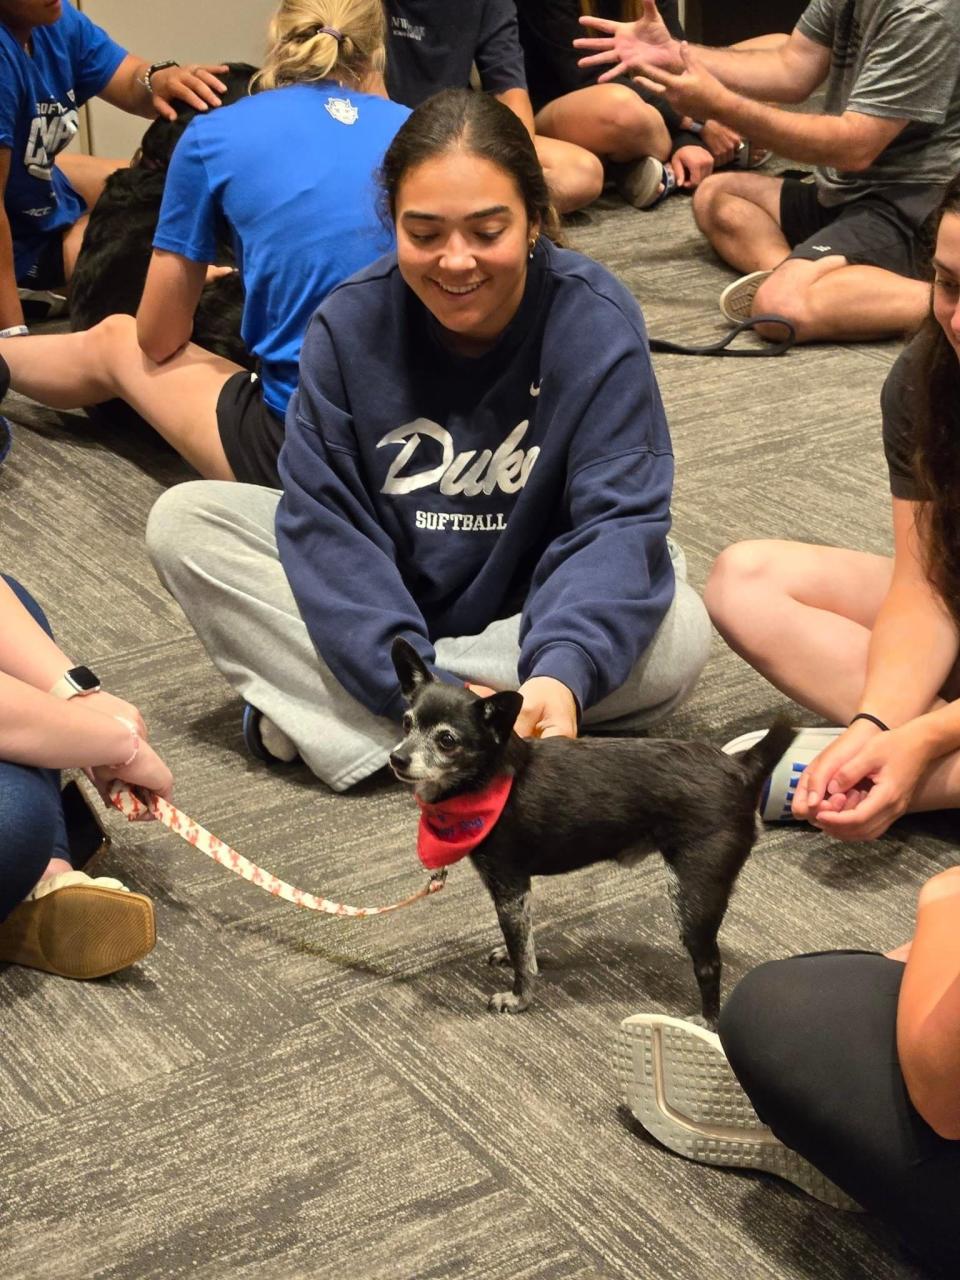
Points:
(692, 90)
(626, 45)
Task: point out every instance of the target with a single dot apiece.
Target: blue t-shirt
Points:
(292, 171)
(426, 494)
(432, 45)
(40, 93)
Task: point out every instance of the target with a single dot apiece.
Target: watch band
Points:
(78, 682)
(695, 126)
(147, 78)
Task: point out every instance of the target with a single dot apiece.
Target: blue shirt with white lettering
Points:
(292, 172)
(427, 494)
(70, 61)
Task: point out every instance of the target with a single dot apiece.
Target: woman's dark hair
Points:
(936, 460)
(461, 119)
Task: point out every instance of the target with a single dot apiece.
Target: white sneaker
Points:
(776, 799)
(677, 1082)
(736, 301)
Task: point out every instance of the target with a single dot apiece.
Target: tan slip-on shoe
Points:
(736, 300)
(77, 927)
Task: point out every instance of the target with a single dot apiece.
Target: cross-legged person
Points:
(476, 459)
(433, 45)
(290, 171)
(649, 150)
(52, 60)
(841, 256)
(839, 1072)
(861, 639)
(53, 715)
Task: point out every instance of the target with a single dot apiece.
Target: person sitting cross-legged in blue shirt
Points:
(290, 170)
(52, 60)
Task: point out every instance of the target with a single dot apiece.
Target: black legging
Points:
(812, 1040)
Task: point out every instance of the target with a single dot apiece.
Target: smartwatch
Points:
(147, 78)
(695, 126)
(76, 683)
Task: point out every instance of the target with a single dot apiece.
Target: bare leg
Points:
(831, 299)
(574, 176)
(801, 615)
(178, 398)
(609, 120)
(739, 213)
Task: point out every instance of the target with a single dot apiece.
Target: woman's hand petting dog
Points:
(195, 85)
(549, 708)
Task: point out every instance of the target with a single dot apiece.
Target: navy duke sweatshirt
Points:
(427, 494)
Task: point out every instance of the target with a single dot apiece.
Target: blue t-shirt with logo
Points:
(40, 93)
(292, 172)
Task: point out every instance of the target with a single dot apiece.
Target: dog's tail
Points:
(759, 761)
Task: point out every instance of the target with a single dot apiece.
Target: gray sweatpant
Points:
(213, 545)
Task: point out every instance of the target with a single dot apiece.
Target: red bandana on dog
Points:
(453, 828)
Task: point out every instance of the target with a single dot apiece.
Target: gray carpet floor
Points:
(272, 1093)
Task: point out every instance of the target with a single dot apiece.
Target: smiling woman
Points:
(476, 458)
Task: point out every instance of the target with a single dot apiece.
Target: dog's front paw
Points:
(507, 1002)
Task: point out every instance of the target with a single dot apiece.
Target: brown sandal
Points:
(77, 927)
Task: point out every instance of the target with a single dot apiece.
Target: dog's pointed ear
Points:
(411, 669)
(499, 712)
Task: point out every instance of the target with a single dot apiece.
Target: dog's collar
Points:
(451, 829)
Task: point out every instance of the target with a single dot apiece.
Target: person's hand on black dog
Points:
(196, 85)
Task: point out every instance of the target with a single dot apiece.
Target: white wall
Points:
(188, 30)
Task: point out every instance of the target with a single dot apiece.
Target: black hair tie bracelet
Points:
(865, 715)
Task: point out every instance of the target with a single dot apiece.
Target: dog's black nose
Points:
(399, 761)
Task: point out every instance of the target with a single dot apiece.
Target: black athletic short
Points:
(885, 229)
(48, 271)
(250, 432)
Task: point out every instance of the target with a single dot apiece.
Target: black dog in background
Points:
(112, 265)
(574, 803)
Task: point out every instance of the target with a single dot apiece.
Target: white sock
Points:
(277, 742)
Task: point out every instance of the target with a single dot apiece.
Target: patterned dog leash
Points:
(132, 806)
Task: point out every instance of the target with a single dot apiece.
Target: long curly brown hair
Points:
(936, 460)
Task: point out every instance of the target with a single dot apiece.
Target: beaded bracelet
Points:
(135, 737)
(865, 715)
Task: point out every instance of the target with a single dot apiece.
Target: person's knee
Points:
(111, 345)
(714, 209)
(628, 126)
(738, 574)
(694, 641)
(575, 179)
(750, 1022)
(585, 173)
(175, 525)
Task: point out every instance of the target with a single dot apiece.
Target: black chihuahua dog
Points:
(574, 803)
